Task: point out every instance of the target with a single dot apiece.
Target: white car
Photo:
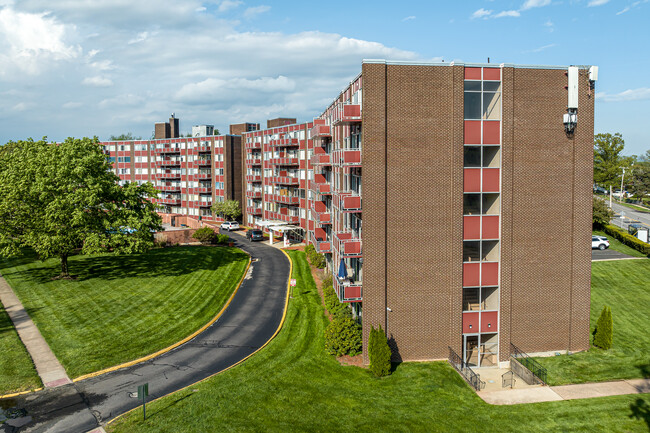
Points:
(230, 225)
(599, 242)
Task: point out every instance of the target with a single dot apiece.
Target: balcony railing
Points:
(167, 162)
(254, 145)
(321, 159)
(284, 161)
(323, 246)
(348, 245)
(349, 203)
(347, 157)
(202, 162)
(203, 149)
(253, 178)
(252, 210)
(169, 188)
(170, 201)
(291, 219)
(322, 217)
(201, 189)
(284, 142)
(204, 202)
(202, 175)
(320, 131)
(168, 150)
(320, 188)
(284, 199)
(172, 175)
(254, 193)
(253, 161)
(284, 180)
(346, 113)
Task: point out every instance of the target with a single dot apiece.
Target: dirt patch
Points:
(356, 361)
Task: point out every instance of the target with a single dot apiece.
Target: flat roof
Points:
(471, 65)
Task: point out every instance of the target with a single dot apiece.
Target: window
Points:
(123, 159)
(482, 100)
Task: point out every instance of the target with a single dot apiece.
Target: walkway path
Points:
(47, 365)
(566, 392)
(247, 324)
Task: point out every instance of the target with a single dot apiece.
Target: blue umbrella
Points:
(343, 271)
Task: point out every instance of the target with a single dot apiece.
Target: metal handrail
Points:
(464, 370)
(528, 362)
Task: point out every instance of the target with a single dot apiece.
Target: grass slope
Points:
(124, 307)
(616, 245)
(625, 286)
(292, 385)
(17, 372)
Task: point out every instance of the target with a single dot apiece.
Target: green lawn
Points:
(617, 245)
(17, 372)
(123, 307)
(292, 385)
(624, 285)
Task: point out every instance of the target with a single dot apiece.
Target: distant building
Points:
(240, 128)
(167, 129)
(202, 130)
(280, 121)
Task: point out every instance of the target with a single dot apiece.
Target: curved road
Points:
(250, 321)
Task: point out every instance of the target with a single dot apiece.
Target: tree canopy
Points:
(58, 198)
(608, 159)
(228, 209)
(124, 137)
(640, 178)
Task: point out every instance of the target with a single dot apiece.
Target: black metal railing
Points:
(528, 362)
(464, 370)
(508, 380)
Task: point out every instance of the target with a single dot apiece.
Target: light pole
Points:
(623, 177)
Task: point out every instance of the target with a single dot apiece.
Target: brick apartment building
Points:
(475, 184)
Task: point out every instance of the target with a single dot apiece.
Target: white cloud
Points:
(409, 18)
(529, 4)
(481, 13)
(642, 93)
(226, 5)
(622, 11)
(542, 48)
(631, 6)
(507, 14)
(550, 26)
(97, 81)
(256, 10)
(71, 105)
(142, 36)
(214, 90)
(593, 3)
(22, 106)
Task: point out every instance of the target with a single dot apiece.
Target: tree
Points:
(124, 137)
(608, 159)
(229, 209)
(603, 330)
(58, 198)
(640, 177)
(216, 131)
(205, 235)
(379, 352)
(601, 214)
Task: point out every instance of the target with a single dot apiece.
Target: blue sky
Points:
(102, 67)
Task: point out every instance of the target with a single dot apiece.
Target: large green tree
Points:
(640, 177)
(228, 209)
(59, 198)
(124, 137)
(608, 159)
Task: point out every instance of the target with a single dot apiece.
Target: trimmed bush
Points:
(604, 329)
(379, 352)
(627, 239)
(222, 239)
(205, 235)
(343, 337)
(332, 303)
(317, 260)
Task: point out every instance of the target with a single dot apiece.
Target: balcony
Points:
(203, 149)
(347, 290)
(346, 113)
(350, 203)
(284, 142)
(323, 247)
(200, 189)
(284, 161)
(347, 157)
(254, 193)
(169, 175)
(204, 202)
(169, 188)
(320, 131)
(202, 162)
(320, 188)
(284, 199)
(253, 178)
(291, 219)
(203, 175)
(348, 244)
(323, 217)
(321, 159)
(253, 161)
(170, 201)
(284, 180)
(252, 210)
(168, 162)
(254, 145)
(168, 150)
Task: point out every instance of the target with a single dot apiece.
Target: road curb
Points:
(175, 345)
(277, 331)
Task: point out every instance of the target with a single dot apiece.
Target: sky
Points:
(106, 67)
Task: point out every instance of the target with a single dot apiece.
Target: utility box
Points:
(639, 231)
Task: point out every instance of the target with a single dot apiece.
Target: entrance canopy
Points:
(278, 226)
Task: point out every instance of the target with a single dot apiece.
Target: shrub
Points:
(379, 352)
(603, 330)
(332, 303)
(627, 239)
(205, 235)
(343, 337)
(222, 239)
(601, 213)
(316, 259)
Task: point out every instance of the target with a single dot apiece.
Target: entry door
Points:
(471, 350)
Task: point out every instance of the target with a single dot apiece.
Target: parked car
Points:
(254, 235)
(599, 242)
(230, 225)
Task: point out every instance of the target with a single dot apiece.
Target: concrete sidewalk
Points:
(565, 392)
(48, 367)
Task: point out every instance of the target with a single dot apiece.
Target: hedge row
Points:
(627, 239)
(332, 303)
(316, 259)
(343, 334)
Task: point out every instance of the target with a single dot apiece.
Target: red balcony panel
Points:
(320, 131)
(470, 323)
(472, 180)
(471, 274)
(352, 247)
(490, 180)
(472, 132)
(472, 73)
(492, 132)
(471, 227)
(319, 206)
(490, 321)
(350, 157)
(319, 178)
(320, 233)
(492, 74)
(344, 236)
(351, 202)
(490, 274)
(352, 110)
(323, 247)
(490, 229)
(352, 292)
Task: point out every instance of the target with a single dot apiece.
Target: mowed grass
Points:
(123, 307)
(616, 245)
(292, 385)
(623, 285)
(17, 372)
